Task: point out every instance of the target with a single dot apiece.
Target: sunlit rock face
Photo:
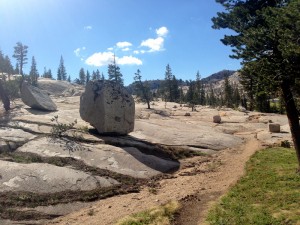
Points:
(108, 107)
(36, 98)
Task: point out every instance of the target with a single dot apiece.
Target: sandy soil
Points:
(200, 181)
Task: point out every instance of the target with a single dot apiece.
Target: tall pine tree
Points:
(114, 73)
(33, 74)
(61, 71)
(20, 53)
(266, 37)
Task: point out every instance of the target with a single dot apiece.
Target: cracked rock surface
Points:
(41, 174)
(45, 178)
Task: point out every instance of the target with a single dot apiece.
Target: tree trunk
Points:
(293, 117)
(4, 97)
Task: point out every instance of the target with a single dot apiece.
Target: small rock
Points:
(242, 109)
(187, 114)
(217, 119)
(274, 127)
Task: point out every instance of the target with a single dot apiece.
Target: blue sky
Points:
(143, 34)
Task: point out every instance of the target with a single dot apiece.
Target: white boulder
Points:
(36, 98)
(108, 107)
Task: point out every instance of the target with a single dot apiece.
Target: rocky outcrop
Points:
(45, 178)
(36, 98)
(11, 139)
(108, 107)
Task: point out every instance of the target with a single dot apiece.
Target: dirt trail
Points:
(200, 181)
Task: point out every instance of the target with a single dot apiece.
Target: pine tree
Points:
(8, 68)
(61, 71)
(168, 84)
(142, 90)
(4, 97)
(98, 76)
(49, 74)
(175, 92)
(200, 91)
(82, 77)
(114, 73)
(236, 96)
(20, 53)
(17, 70)
(33, 74)
(191, 95)
(212, 97)
(228, 93)
(69, 79)
(266, 38)
(94, 75)
(202, 95)
(5, 65)
(182, 96)
(88, 76)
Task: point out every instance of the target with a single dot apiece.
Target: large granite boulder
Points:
(108, 107)
(36, 98)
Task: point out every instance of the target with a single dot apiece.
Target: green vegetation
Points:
(161, 215)
(269, 193)
(114, 73)
(142, 89)
(61, 71)
(266, 39)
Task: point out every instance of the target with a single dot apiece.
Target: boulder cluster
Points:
(107, 106)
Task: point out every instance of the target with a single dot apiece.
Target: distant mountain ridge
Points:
(214, 78)
(218, 76)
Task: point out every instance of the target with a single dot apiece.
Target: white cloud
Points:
(100, 59)
(105, 58)
(125, 49)
(136, 52)
(162, 31)
(110, 49)
(154, 44)
(123, 44)
(78, 50)
(88, 27)
(129, 60)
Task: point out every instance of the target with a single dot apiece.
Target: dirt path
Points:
(200, 181)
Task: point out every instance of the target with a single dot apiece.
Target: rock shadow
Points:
(38, 111)
(155, 156)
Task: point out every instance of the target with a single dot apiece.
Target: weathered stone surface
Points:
(177, 133)
(59, 87)
(11, 138)
(108, 107)
(45, 178)
(274, 127)
(128, 161)
(36, 98)
(217, 119)
(72, 91)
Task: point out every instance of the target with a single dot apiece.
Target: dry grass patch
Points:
(160, 215)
